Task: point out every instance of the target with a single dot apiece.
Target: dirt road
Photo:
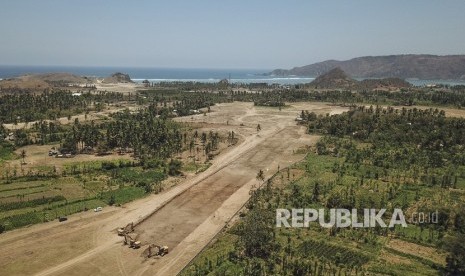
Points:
(185, 218)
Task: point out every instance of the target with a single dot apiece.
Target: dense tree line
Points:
(274, 95)
(27, 107)
(419, 96)
(410, 147)
(398, 137)
(144, 132)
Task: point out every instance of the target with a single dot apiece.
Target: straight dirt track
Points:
(186, 217)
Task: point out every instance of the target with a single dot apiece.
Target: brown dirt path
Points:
(186, 216)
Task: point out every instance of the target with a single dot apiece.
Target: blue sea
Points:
(138, 74)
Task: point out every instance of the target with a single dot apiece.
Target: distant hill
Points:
(335, 78)
(387, 83)
(118, 78)
(45, 80)
(49, 80)
(338, 79)
(395, 66)
(61, 78)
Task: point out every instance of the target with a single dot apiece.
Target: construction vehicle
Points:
(136, 244)
(132, 242)
(125, 230)
(157, 250)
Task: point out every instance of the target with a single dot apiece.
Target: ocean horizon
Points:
(159, 74)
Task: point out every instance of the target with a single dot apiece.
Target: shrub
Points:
(108, 165)
(112, 200)
(174, 167)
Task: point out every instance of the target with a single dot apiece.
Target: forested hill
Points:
(404, 66)
(337, 79)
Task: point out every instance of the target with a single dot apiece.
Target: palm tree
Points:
(260, 176)
(23, 156)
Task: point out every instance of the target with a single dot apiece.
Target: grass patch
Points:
(195, 167)
(415, 257)
(415, 268)
(72, 208)
(136, 175)
(6, 151)
(124, 195)
(17, 187)
(31, 203)
(49, 213)
(334, 253)
(22, 192)
(215, 258)
(414, 233)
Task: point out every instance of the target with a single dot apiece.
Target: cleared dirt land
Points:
(185, 217)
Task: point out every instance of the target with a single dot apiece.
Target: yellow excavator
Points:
(125, 230)
(157, 250)
(132, 242)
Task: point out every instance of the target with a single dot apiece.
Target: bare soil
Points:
(185, 217)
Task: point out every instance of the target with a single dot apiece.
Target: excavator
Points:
(133, 243)
(157, 250)
(125, 230)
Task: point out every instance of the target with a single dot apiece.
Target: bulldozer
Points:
(132, 242)
(157, 250)
(125, 230)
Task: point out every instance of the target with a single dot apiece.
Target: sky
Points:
(223, 34)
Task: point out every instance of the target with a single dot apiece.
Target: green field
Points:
(370, 170)
(82, 186)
